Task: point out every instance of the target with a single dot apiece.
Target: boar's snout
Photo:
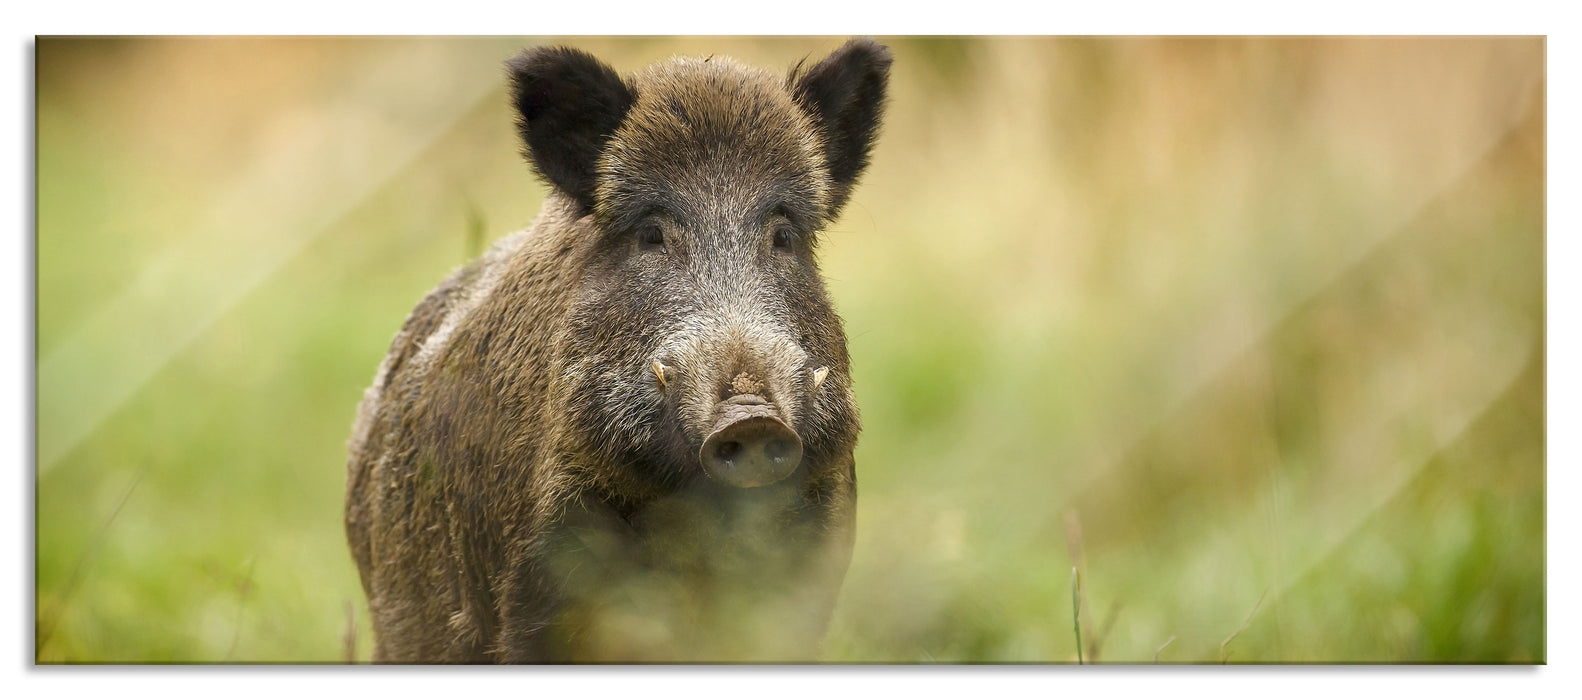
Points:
(750, 446)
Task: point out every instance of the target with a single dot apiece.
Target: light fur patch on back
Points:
(476, 291)
(493, 268)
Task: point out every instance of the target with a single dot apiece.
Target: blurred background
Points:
(1246, 336)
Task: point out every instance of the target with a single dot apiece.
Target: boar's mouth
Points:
(750, 446)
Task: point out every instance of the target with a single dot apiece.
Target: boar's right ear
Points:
(845, 94)
(567, 105)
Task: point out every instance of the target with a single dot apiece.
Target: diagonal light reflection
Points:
(1509, 357)
(1246, 337)
(321, 165)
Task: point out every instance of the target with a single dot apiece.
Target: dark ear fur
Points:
(845, 95)
(567, 105)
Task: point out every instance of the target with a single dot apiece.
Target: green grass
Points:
(1249, 332)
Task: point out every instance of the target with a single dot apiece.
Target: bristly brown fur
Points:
(520, 488)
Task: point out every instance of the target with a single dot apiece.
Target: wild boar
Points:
(626, 433)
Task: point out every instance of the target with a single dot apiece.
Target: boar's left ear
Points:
(845, 94)
(567, 105)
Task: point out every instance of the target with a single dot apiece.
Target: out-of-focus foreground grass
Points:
(1249, 331)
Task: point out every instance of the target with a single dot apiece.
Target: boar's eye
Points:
(784, 234)
(650, 237)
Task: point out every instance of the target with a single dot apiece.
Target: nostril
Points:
(778, 450)
(727, 451)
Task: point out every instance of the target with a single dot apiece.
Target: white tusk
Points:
(659, 371)
(818, 377)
